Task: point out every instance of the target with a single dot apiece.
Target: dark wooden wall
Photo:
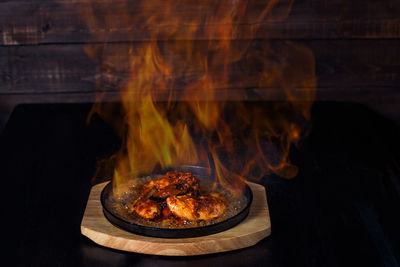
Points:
(355, 43)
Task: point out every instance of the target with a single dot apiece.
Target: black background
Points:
(341, 210)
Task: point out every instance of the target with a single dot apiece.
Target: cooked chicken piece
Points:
(196, 209)
(174, 183)
(148, 209)
(182, 207)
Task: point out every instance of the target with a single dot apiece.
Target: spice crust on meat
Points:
(177, 195)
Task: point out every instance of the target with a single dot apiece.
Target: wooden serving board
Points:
(251, 230)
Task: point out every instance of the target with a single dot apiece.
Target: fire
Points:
(195, 123)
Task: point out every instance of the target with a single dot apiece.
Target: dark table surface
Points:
(341, 210)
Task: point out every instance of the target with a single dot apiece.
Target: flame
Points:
(205, 128)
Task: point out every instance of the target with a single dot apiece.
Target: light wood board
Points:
(251, 230)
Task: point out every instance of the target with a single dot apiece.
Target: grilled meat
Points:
(172, 184)
(176, 195)
(148, 209)
(196, 209)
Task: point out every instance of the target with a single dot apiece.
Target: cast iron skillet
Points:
(201, 173)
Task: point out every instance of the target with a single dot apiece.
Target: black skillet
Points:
(201, 173)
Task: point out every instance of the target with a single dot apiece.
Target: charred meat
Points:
(148, 209)
(194, 209)
(172, 184)
(176, 195)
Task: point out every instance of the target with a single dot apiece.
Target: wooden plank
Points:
(55, 68)
(45, 21)
(353, 67)
(250, 231)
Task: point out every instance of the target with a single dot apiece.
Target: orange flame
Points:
(162, 134)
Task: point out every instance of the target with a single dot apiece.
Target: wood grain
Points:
(362, 71)
(254, 228)
(66, 68)
(44, 21)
